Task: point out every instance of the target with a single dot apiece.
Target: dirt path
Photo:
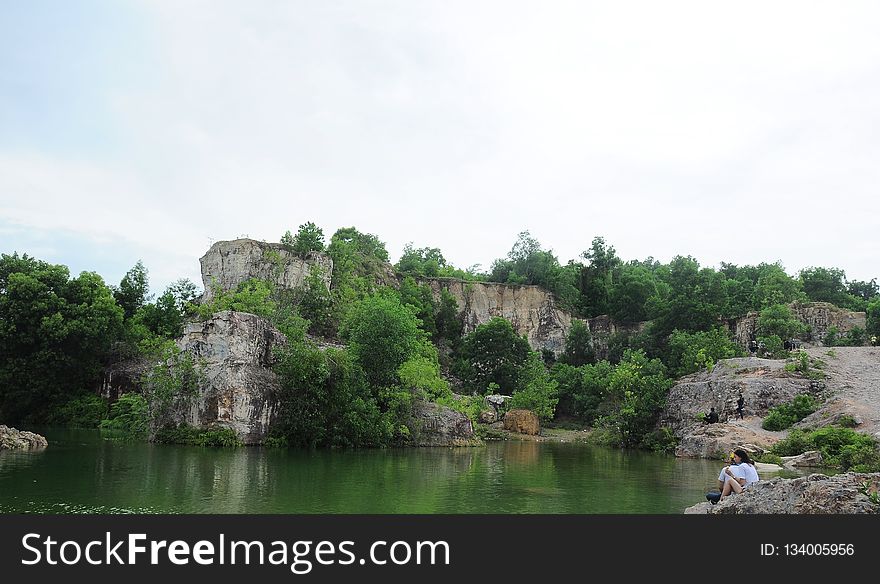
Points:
(853, 383)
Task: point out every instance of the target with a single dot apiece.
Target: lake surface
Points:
(82, 473)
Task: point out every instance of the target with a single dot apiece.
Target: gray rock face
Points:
(813, 458)
(123, 377)
(719, 440)
(12, 439)
(763, 383)
(530, 309)
(237, 385)
(229, 263)
(814, 494)
(442, 426)
(819, 316)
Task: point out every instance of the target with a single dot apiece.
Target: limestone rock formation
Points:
(229, 263)
(12, 439)
(530, 309)
(237, 384)
(814, 494)
(523, 422)
(123, 377)
(818, 316)
(763, 384)
(812, 458)
(442, 426)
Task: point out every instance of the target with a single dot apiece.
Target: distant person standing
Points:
(739, 406)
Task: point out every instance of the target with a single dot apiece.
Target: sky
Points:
(743, 132)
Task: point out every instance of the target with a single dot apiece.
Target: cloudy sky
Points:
(731, 131)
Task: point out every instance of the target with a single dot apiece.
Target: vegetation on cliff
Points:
(403, 343)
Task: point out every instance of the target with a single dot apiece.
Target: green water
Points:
(82, 473)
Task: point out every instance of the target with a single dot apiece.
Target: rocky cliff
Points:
(818, 316)
(814, 494)
(763, 384)
(531, 310)
(236, 383)
(229, 263)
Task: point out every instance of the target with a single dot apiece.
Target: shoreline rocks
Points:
(522, 422)
(815, 494)
(12, 439)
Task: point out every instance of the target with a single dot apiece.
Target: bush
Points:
(772, 347)
(660, 440)
(537, 392)
(186, 434)
(85, 411)
(129, 417)
(786, 415)
(840, 447)
(691, 352)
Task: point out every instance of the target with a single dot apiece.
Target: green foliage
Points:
(847, 421)
(786, 415)
(582, 390)
(828, 285)
(691, 352)
(85, 411)
(129, 417)
(420, 300)
(324, 400)
(536, 391)
(382, 335)
(578, 345)
(308, 238)
(638, 387)
(873, 320)
(840, 447)
(769, 458)
(469, 405)
(423, 375)
(688, 298)
(494, 353)
(779, 321)
(660, 440)
(167, 315)
(449, 325)
(252, 296)
(315, 303)
(772, 347)
(216, 437)
(629, 293)
(54, 333)
(133, 290)
(171, 384)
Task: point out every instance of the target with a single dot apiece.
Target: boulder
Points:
(488, 417)
(438, 425)
(814, 494)
(813, 458)
(495, 403)
(236, 387)
(719, 440)
(522, 421)
(12, 439)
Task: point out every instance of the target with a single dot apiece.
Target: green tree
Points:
(778, 320)
(596, 277)
(54, 333)
(382, 334)
(494, 353)
(537, 390)
(629, 294)
(688, 298)
(578, 345)
(825, 285)
(308, 238)
(133, 290)
(637, 388)
(691, 352)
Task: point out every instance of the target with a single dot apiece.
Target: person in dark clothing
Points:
(712, 417)
(739, 406)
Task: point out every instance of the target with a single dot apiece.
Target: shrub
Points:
(186, 434)
(786, 415)
(537, 392)
(840, 447)
(129, 417)
(85, 411)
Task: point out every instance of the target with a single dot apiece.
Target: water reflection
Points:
(80, 472)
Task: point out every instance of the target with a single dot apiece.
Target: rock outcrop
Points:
(236, 384)
(812, 458)
(531, 310)
(818, 316)
(12, 439)
(442, 426)
(814, 494)
(123, 377)
(763, 384)
(229, 263)
(523, 422)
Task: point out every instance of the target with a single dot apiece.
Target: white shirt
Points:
(751, 475)
(736, 470)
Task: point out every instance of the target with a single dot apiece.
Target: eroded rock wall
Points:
(229, 263)
(233, 351)
(818, 316)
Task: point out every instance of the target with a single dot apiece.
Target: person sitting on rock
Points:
(712, 417)
(740, 474)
